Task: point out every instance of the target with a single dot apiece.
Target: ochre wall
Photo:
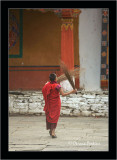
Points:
(41, 50)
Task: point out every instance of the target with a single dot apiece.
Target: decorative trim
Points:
(66, 26)
(35, 66)
(104, 49)
(60, 12)
(67, 23)
(38, 70)
(43, 66)
(20, 38)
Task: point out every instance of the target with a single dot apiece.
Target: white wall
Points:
(90, 27)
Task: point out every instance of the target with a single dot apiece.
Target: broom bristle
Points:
(67, 74)
(75, 73)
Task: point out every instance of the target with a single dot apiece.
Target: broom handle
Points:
(71, 82)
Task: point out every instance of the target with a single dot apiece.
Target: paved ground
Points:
(28, 133)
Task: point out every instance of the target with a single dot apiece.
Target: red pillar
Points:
(67, 43)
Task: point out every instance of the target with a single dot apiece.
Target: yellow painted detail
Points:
(67, 25)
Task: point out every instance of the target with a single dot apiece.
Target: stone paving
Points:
(28, 133)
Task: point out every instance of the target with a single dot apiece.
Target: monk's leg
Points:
(53, 127)
(53, 132)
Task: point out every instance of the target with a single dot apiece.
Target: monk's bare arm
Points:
(65, 94)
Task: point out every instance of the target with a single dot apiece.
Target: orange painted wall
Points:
(41, 47)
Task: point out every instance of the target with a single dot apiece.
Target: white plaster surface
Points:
(90, 27)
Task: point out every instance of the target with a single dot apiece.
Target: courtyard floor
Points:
(28, 133)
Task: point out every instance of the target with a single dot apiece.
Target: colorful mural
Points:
(15, 33)
(104, 49)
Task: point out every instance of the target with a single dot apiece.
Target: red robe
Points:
(52, 102)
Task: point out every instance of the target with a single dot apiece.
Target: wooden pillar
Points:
(67, 42)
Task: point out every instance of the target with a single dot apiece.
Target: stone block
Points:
(64, 104)
(88, 96)
(69, 102)
(35, 98)
(85, 108)
(66, 112)
(20, 105)
(105, 92)
(104, 99)
(106, 115)
(86, 113)
(15, 110)
(18, 100)
(97, 101)
(98, 93)
(21, 97)
(104, 96)
(27, 95)
(23, 110)
(98, 114)
(82, 104)
(25, 101)
(105, 111)
(35, 94)
(11, 109)
(91, 100)
(30, 100)
(34, 105)
(101, 102)
(11, 101)
(99, 111)
(98, 96)
(76, 112)
(73, 105)
(73, 95)
(63, 98)
(95, 107)
(63, 108)
(93, 114)
(36, 110)
(12, 96)
(104, 107)
(26, 92)
(82, 100)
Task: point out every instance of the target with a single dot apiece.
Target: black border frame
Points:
(112, 62)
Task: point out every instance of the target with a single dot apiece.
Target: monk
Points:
(51, 93)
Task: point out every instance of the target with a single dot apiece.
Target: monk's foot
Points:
(50, 132)
(54, 136)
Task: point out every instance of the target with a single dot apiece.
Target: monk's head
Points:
(52, 77)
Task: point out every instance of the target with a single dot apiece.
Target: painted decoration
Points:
(13, 30)
(61, 12)
(104, 49)
(15, 40)
(67, 43)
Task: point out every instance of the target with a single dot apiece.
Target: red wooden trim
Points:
(104, 83)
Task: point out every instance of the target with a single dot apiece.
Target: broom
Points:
(74, 73)
(67, 74)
